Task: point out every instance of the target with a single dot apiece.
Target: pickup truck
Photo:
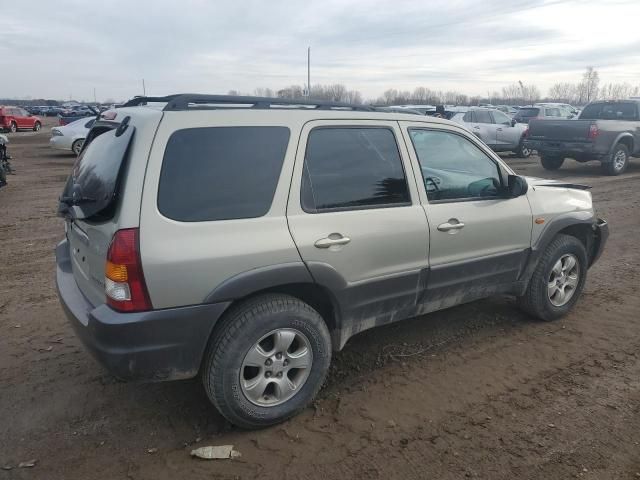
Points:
(607, 131)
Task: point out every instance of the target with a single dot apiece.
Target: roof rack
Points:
(194, 101)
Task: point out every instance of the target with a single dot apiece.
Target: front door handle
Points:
(499, 130)
(452, 226)
(331, 240)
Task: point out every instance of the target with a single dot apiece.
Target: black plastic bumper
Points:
(154, 346)
(567, 149)
(601, 228)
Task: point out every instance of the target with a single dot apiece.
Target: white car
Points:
(71, 137)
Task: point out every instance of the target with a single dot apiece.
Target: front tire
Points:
(267, 361)
(551, 162)
(13, 128)
(558, 280)
(618, 161)
(37, 126)
(523, 152)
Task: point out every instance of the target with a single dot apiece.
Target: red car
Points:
(16, 118)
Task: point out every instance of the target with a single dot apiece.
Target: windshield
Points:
(92, 186)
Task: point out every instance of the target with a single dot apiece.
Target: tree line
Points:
(520, 93)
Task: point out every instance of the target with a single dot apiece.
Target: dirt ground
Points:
(477, 391)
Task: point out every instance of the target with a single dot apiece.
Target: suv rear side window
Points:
(352, 168)
(221, 173)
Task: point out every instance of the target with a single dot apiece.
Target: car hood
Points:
(545, 182)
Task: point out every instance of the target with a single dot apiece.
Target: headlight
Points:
(56, 133)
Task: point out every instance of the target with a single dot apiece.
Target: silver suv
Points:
(246, 239)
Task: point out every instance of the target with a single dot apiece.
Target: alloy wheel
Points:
(563, 280)
(276, 367)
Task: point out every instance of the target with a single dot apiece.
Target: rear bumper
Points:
(579, 150)
(60, 142)
(154, 346)
(601, 229)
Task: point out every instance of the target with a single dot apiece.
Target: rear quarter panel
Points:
(185, 261)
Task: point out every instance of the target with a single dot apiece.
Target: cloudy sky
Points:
(62, 48)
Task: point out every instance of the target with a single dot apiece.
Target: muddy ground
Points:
(477, 391)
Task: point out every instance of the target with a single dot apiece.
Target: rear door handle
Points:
(499, 130)
(331, 240)
(452, 226)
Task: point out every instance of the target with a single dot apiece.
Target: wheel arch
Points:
(626, 139)
(291, 279)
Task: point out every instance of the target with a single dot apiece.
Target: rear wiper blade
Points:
(71, 201)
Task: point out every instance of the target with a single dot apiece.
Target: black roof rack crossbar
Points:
(140, 100)
(189, 101)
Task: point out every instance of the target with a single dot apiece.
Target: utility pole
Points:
(94, 95)
(144, 89)
(308, 71)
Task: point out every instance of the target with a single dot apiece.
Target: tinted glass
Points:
(92, 187)
(482, 116)
(89, 124)
(468, 117)
(221, 173)
(350, 168)
(610, 111)
(553, 112)
(501, 118)
(528, 112)
(453, 167)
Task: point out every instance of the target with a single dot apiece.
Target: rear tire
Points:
(618, 161)
(37, 127)
(77, 146)
(268, 390)
(523, 152)
(542, 299)
(13, 128)
(551, 162)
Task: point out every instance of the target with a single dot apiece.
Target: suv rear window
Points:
(610, 111)
(92, 186)
(221, 173)
(352, 168)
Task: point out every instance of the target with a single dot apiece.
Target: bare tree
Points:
(588, 88)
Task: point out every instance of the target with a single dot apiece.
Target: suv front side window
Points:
(351, 168)
(454, 168)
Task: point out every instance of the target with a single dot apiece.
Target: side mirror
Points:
(513, 122)
(516, 186)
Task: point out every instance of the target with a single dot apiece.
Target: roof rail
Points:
(194, 101)
(141, 100)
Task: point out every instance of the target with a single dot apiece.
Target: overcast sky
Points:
(62, 48)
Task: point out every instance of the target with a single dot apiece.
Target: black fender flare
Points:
(620, 137)
(258, 279)
(559, 223)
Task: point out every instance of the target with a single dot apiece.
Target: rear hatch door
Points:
(89, 203)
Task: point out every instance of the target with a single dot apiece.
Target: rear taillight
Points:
(593, 131)
(124, 286)
(525, 134)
